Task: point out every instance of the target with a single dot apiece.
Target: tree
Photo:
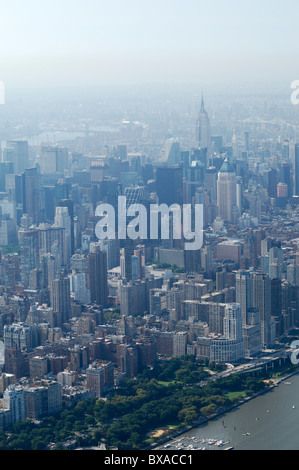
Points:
(208, 410)
(188, 415)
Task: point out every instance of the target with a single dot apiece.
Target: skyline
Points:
(98, 43)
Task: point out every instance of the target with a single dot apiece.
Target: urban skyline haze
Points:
(76, 43)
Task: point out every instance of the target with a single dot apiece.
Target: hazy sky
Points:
(81, 42)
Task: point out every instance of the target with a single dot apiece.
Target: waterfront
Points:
(268, 422)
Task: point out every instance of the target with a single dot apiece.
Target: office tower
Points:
(285, 150)
(293, 274)
(246, 138)
(31, 194)
(172, 154)
(8, 230)
(111, 247)
(109, 190)
(79, 290)
(170, 185)
(62, 190)
(158, 301)
(52, 241)
(139, 254)
(276, 263)
(53, 160)
(132, 298)
(14, 400)
(251, 248)
(6, 168)
(203, 128)
(48, 210)
(276, 302)
(127, 252)
(270, 182)
(261, 299)
(285, 177)
(60, 299)
(253, 199)
(216, 144)
(97, 277)
(135, 195)
(194, 179)
(121, 152)
(29, 243)
(147, 172)
(18, 154)
(79, 263)
(47, 160)
(211, 183)
(294, 157)
(61, 218)
(227, 193)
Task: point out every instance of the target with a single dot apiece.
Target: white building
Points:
(180, 340)
(14, 400)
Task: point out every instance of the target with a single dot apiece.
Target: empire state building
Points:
(203, 128)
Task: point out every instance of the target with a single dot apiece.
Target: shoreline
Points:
(215, 416)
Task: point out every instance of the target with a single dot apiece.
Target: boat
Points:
(219, 443)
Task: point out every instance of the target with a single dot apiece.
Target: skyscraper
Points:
(97, 277)
(296, 170)
(18, 152)
(227, 193)
(31, 194)
(233, 322)
(29, 243)
(170, 185)
(60, 298)
(203, 128)
(66, 203)
(261, 297)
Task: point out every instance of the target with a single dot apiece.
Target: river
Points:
(268, 422)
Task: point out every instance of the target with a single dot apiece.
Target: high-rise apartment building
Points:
(60, 298)
(14, 400)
